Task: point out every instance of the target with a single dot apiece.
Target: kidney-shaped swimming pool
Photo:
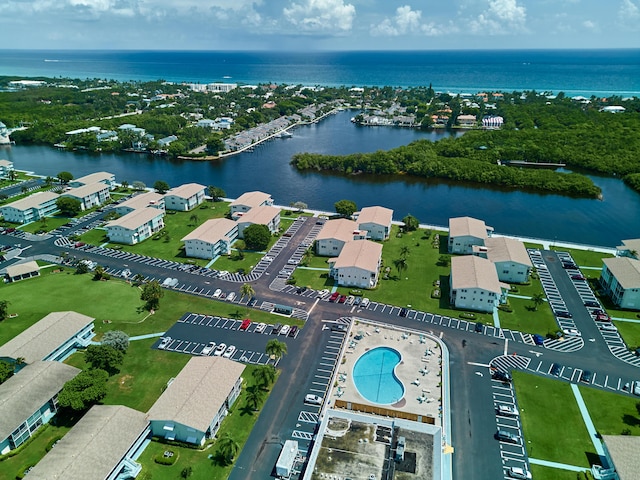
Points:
(375, 378)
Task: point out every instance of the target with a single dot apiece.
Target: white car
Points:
(208, 349)
(220, 349)
(228, 353)
(285, 329)
(260, 327)
(313, 399)
(572, 331)
(223, 273)
(607, 327)
(323, 293)
(231, 296)
(517, 472)
(164, 343)
(365, 302)
(636, 388)
(217, 293)
(507, 410)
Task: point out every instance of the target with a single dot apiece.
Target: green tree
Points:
(298, 205)
(124, 184)
(161, 186)
(254, 397)
(537, 299)
(276, 348)
(138, 186)
(49, 180)
(265, 375)
(194, 219)
(68, 206)
(12, 175)
(186, 472)
(82, 268)
(116, 339)
(216, 193)
(411, 223)
(4, 309)
(247, 290)
(346, 208)
(404, 251)
(228, 448)
(64, 177)
(151, 294)
(86, 389)
(215, 145)
(99, 273)
(400, 264)
(257, 236)
(444, 260)
(104, 357)
(6, 371)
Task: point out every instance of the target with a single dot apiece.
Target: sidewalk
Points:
(562, 466)
(597, 444)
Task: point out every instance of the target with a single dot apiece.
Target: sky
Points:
(318, 24)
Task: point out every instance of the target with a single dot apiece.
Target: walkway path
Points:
(562, 466)
(496, 318)
(144, 337)
(588, 423)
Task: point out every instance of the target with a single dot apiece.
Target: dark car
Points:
(586, 376)
(563, 314)
(502, 376)
(538, 339)
(505, 436)
(339, 327)
(292, 331)
(403, 312)
(479, 327)
(276, 329)
(555, 369)
(569, 266)
(598, 311)
(591, 303)
(577, 276)
(252, 302)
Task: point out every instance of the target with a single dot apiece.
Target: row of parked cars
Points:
(337, 297)
(219, 350)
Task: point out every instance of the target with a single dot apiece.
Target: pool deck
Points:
(419, 369)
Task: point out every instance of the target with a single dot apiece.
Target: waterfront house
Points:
(166, 141)
(474, 284)
(5, 167)
(91, 195)
(264, 215)
(335, 234)
(185, 197)
(31, 208)
(629, 248)
(376, 221)
(195, 403)
(358, 264)
(465, 232)
(466, 121)
(136, 226)
(54, 337)
(249, 200)
(103, 445)
(28, 400)
(206, 123)
(211, 239)
(107, 178)
(620, 279)
(142, 200)
(509, 256)
(21, 271)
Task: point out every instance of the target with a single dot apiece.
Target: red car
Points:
(245, 324)
(603, 318)
(334, 296)
(342, 299)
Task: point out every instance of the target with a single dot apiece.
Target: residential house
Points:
(264, 215)
(21, 271)
(249, 200)
(211, 239)
(474, 284)
(621, 458)
(466, 120)
(107, 178)
(136, 226)
(29, 399)
(335, 234)
(89, 196)
(629, 248)
(194, 404)
(509, 256)
(103, 445)
(31, 208)
(5, 167)
(357, 265)
(620, 279)
(54, 337)
(142, 200)
(376, 221)
(465, 232)
(185, 197)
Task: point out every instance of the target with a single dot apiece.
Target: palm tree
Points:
(537, 299)
(194, 219)
(124, 184)
(254, 397)
(276, 348)
(247, 290)
(12, 175)
(400, 264)
(228, 448)
(404, 251)
(264, 375)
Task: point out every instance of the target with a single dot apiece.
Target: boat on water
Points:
(283, 134)
(4, 135)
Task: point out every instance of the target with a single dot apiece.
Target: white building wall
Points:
(329, 247)
(475, 299)
(464, 244)
(512, 272)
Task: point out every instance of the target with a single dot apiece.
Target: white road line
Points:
(478, 364)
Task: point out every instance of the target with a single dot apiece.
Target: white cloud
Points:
(502, 16)
(629, 14)
(590, 25)
(408, 21)
(321, 15)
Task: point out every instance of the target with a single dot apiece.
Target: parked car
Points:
(538, 339)
(603, 317)
(586, 376)
(608, 327)
(220, 349)
(505, 436)
(313, 399)
(231, 296)
(252, 302)
(569, 266)
(260, 327)
(208, 348)
(563, 314)
(502, 376)
(334, 296)
(323, 293)
(276, 329)
(164, 343)
(245, 324)
(520, 473)
(217, 293)
(342, 299)
(292, 331)
(591, 303)
(636, 388)
(577, 276)
(479, 328)
(365, 302)
(555, 369)
(285, 330)
(228, 353)
(403, 312)
(507, 410)
(339, 327)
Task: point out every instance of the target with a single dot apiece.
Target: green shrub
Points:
(162, 460)
(468, 315)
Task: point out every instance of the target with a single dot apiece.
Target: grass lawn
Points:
(238, 425)
(315, 279)
(547, 473)
(51, 223)
(525, 319)
(585, 258)
(612, 413)
(551, 421)
(233, 263)
(630, 333)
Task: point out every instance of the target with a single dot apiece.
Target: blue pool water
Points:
(374, 377)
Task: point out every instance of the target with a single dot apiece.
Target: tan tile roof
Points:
(197, 393)
(83, 191)
(377, 215)
(32, 201)
(631, 245)
(94, 446)
(363, 254)
(24, 393)
(467, 226)
(626, 270)
(187, 190)
(43, 337)
(21, 269)
(340, 229)
(624, 453)
(142, 200)
(136, 218)
(212, 230)
(503, 249)
(260, 215)
(251, 199)
(94, 178)
(469, 271)
(6, 163)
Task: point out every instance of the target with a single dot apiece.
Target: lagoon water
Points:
(594, 222)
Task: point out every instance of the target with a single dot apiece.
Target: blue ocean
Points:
(574, 72)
